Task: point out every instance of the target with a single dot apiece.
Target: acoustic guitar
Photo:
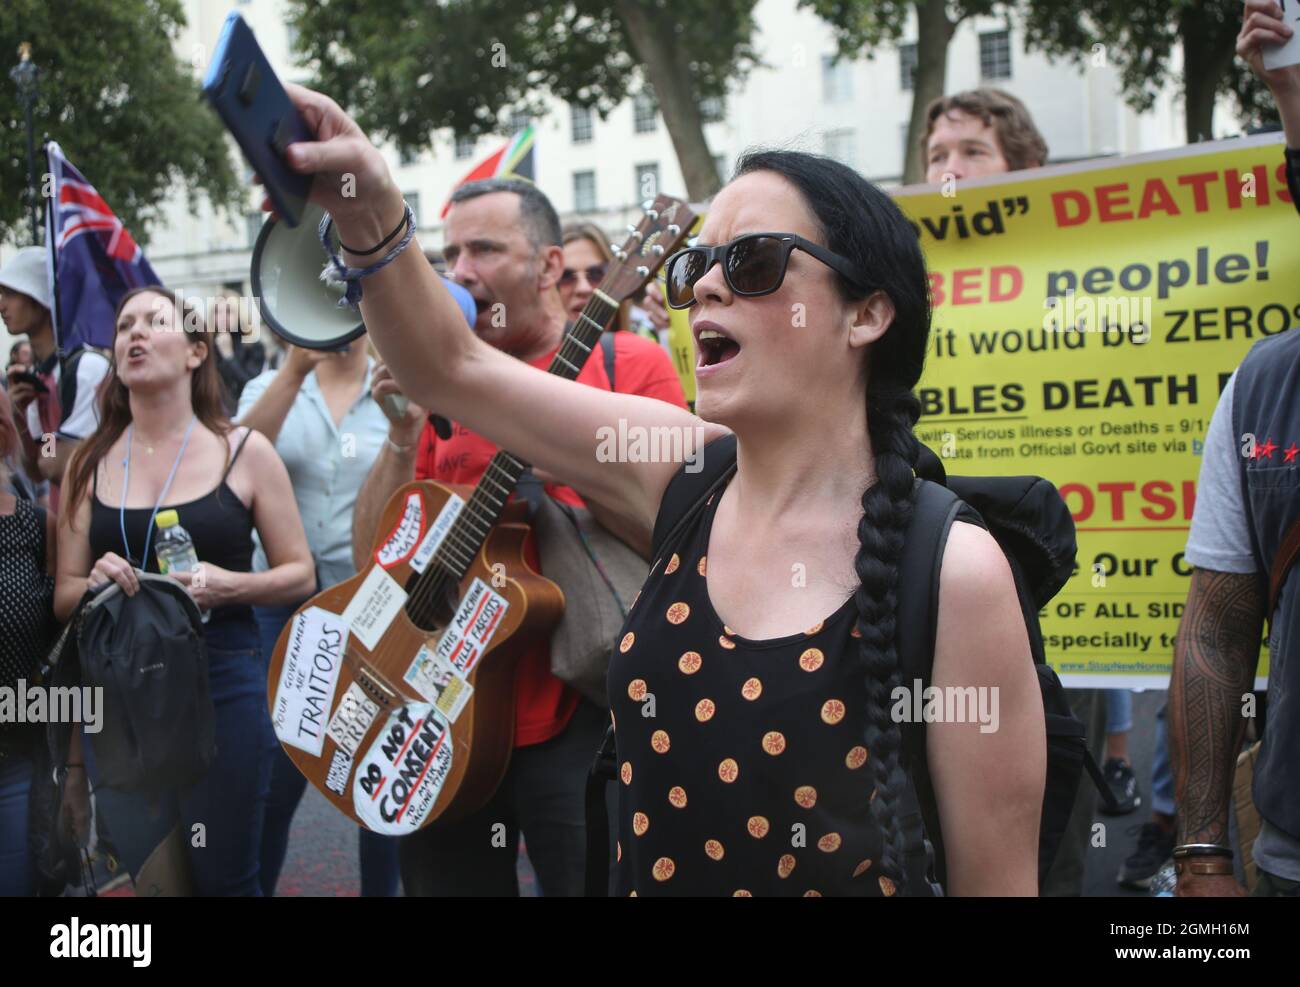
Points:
(393, 692)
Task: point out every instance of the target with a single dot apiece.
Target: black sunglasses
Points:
(595, 274)
(753, 264)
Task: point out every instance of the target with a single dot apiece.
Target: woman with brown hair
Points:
(587, 258)
(771, 714)
(164, 442)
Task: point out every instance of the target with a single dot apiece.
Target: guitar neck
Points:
(484, 508)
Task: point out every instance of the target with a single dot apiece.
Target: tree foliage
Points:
(407, 68)
(125, 109)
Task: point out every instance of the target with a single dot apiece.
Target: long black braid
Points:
(861, 223)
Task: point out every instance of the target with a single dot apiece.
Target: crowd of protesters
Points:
(248, 449)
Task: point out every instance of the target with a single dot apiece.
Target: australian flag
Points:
(93, 259)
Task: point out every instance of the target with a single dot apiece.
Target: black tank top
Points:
(218, 522)
(742, 766)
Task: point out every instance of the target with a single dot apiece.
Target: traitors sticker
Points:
(352, 719)
(435, 680)
(476, 620)
(405, 536)
(308, 677)
(397, 782)
(437, 532)
(374, 606)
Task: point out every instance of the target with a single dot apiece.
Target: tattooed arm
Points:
(1215, 655)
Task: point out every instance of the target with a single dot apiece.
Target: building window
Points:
(644, 112)
(253, 226)
(995, 55)
(907, 67)
(584, 191)
(291, 36)
(580, 125)
(712, 109)
(720, 166)
(465, 146)
(839, 144)
(837, 80)
(413, 200)
(519, 120)
(408, 156)
(647, 182)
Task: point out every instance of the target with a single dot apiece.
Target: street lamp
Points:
(24, 76)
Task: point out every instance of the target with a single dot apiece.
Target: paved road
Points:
(322, 856)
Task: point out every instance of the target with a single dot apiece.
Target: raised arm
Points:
(439, 363)
(1216, 652)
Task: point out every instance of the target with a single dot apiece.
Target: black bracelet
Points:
(1201, 850)
(382, 243)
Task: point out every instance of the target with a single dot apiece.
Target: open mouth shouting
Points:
(714, 346)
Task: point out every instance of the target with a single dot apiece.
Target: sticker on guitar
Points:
(471, 629)
(374, 606)
(352, 719)
(405, 536)
(398, 781)
(308, 676)
(437, 682)
(437, 532)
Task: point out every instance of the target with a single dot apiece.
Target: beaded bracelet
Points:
(338, 272)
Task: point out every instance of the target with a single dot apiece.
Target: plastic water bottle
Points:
(175, 549)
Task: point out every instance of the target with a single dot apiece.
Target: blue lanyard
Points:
(126, 487)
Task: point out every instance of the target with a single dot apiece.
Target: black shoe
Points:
(1155, 849)
(1123, 785)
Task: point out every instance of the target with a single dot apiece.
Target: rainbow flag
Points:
(514, 159)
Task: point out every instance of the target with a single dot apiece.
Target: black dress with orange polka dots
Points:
(742, 769)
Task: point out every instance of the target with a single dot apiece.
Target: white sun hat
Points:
(25, 273)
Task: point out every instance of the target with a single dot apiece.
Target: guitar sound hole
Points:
(433, 611)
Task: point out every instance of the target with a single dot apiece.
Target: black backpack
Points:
(1031, 523)
(147, 653)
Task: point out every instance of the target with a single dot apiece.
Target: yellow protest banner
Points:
(1086, 319)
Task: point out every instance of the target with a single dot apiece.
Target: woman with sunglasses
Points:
(587, 259)
(754, 680)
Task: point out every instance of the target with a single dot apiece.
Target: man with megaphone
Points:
(502, 244)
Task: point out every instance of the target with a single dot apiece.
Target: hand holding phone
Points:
(248, 96)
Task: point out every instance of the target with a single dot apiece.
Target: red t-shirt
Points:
(543, 704)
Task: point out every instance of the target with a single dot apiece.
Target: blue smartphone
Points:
(244, 90)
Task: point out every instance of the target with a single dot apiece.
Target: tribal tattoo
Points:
(1215, 656)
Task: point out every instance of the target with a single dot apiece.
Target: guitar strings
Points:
(434, 581)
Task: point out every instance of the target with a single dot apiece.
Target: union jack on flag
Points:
(93, 259)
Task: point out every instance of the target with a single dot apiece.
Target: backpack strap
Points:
(68, 382)
(607, 350)
(934, 508)
(596, 883)
(687, 493)
(1282, 562)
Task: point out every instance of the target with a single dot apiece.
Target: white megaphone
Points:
(297, 305)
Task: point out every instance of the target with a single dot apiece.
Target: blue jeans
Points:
(15, 864)
(378, 853)
(1162, 775)
(220, 817)
(1119, 711)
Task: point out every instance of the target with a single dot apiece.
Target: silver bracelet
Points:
(395, 447)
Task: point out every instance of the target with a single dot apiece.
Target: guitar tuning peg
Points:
(643, 271)
(620, 253)
(673, 229)
(652, 214)
(648, 205)
(634, 233)
(657, 250)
